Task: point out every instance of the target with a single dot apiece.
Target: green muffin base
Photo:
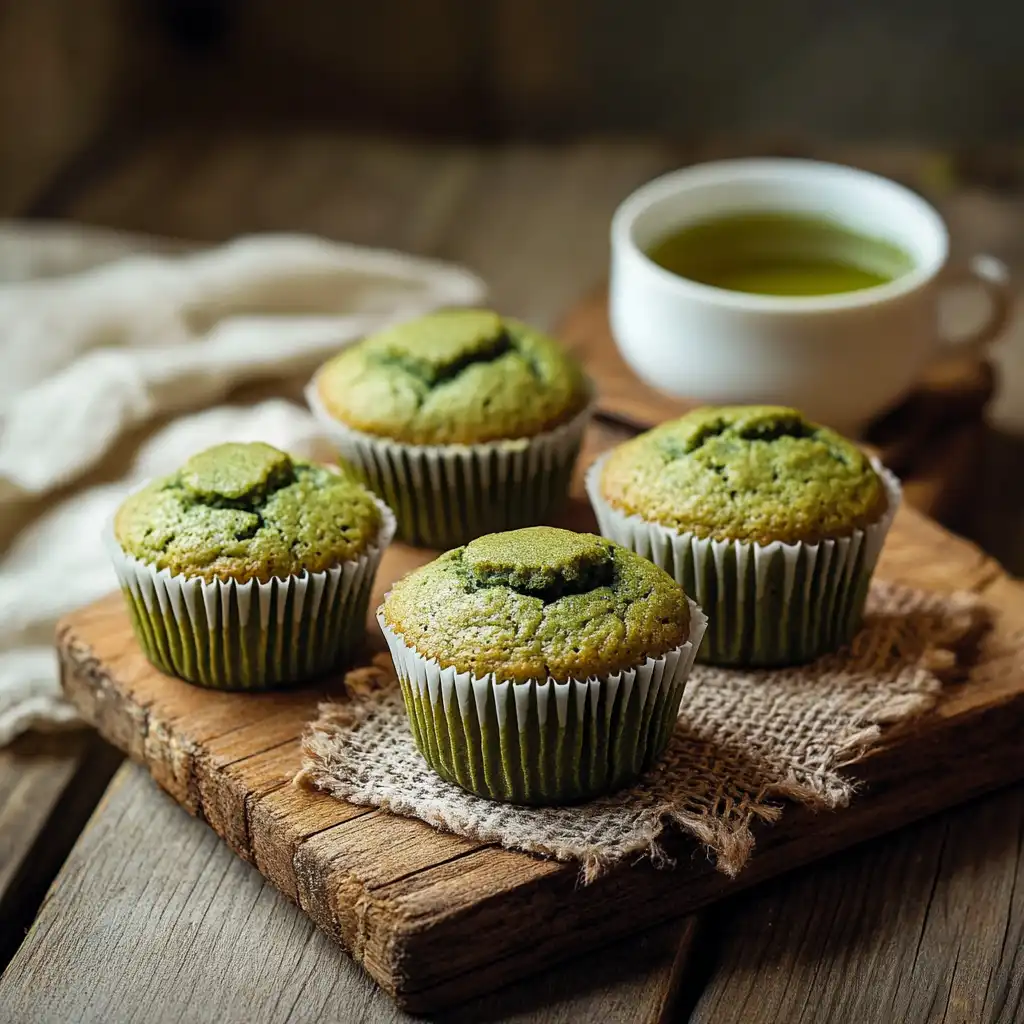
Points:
(251, 636)
(444, 496)
(542, 741)
(768, 605)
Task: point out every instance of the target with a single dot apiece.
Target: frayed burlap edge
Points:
(745, 743)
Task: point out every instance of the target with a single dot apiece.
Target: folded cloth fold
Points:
(94, 362)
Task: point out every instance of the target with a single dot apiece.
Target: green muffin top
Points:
(247, 511)
(751, 473)
(455, 377)
(539, 602)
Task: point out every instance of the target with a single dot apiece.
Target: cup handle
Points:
(993, 278)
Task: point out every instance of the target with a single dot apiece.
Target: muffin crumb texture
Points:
(537, 603)
(748, 473)
(454, 377)
(247, 511)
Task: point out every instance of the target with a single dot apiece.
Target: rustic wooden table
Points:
(150, 917)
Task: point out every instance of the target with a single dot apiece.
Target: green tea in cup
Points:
(829, 281)
(768, 253)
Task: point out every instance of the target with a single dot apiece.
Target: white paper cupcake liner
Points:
(250, 636)
(542, 741)
(768, 604)
(446, 495)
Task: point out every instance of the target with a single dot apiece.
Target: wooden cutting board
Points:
(435, 918)
(932, 439)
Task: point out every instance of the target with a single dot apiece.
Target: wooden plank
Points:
(212, 186)
(48, 787)
(926, 926)
(151, 910)
(394, 892)
(894, 795)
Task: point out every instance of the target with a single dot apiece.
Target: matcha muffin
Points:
(540, 665)
(248, 569)
(773, 523)
(464, 422)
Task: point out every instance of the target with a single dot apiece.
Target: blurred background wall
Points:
(921, 71)
(204, 119)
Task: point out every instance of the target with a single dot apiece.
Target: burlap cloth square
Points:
(745, 742)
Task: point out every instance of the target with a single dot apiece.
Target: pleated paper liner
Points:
(250, 636)
(768, 605)
(543, 741)
(446, 495)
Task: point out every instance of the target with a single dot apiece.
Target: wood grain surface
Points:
(916, 929)
(48, 787)
(435, 918)
(148, 889)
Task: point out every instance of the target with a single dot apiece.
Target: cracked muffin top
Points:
(247, 511)
(454, 377)
(756, 473)
(538, 603)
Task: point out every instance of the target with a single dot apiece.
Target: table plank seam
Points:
(1017, 875)
(214, 763)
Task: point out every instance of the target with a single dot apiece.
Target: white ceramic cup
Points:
(843, 358)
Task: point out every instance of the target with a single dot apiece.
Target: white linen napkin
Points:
(94, 360)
